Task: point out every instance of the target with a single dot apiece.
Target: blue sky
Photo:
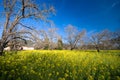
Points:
(87, 14)
(92, 15)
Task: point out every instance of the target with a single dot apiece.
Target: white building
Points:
(23, 48)
(28, 48)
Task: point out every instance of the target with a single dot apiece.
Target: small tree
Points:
(47, 38)
(116, 39)
(60, 44)
(99, 38)
(73, 36)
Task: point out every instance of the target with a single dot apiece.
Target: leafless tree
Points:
(53, 36)
(42, 40)
(73, 36)
(100, 39)
(115, 41)
(15, 11)
(47, 38)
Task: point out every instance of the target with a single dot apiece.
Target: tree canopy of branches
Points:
(15, 11)
(100, 38)
(73, 36)
(116, 39)
(47, 38)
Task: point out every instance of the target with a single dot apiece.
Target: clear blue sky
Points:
(92, 15)
(87, 14)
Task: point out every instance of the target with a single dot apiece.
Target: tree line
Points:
(76, 39)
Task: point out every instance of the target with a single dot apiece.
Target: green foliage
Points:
(46, 47)
(60, 65)
(60, 44)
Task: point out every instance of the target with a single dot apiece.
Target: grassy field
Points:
(60, 65)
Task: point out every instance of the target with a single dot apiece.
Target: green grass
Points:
(60, 65)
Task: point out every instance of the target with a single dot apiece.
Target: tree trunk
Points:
(71, 48)
(1, 50)
(97, 48)
(2, 46)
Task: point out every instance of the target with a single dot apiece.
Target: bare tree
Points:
(115, 41)
(100, 39)
(42, 40)
(52, 35)
(15, 12)
(73, 36)
(47, 39)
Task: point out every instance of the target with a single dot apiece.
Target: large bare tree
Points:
(15, 11)
(73, 36)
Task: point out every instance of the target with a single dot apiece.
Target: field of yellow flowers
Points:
(60, 65)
